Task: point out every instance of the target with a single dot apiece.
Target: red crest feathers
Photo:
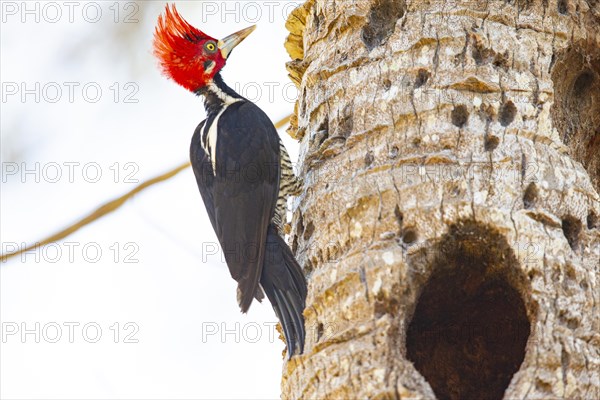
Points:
(177, 45)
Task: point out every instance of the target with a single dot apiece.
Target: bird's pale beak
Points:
(227, 44)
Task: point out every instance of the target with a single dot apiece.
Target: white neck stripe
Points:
(225, 98)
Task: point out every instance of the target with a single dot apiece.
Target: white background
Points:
(175, 291)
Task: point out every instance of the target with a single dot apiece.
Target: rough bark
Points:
(449, 220)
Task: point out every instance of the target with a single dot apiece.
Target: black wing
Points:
(241, 197)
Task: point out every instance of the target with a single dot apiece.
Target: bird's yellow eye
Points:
(210, 47)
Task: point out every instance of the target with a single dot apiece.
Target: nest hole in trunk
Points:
(470, 326)
(576, 108)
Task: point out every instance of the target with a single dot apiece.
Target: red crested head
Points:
(186, 54)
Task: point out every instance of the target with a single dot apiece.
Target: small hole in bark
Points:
(460, 116)
(310, 228)
(469, 329)
(501, 60)
(318, 19)
(570, 272)
(324, 125)
(387, 84)
(592, 221)
(571, 228)
(300, 225)
(530, 195)
(334, 252)
(455, 191)
(369, 158)
(552, 61)
(487, 113)
(323, 131)
(491, 142)
(346, 122)
(382, 22)
(422, 77)
(476, 54)
(563, 7)
(320, 256)
(399, 216)
(393, 152)
(481, 54)
(308, 268)
(567, 319)
(507, 113)
(320, 329)
(410, 236)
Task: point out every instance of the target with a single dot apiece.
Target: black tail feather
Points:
(293, 303)
(283, 281)
(286, 322)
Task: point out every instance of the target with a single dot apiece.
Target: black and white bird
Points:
(243, 172)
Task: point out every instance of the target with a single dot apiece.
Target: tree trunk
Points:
(449, 221)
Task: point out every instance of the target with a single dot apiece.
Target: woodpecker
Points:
(242, 170)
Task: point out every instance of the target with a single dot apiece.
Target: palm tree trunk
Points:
(449, 220)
